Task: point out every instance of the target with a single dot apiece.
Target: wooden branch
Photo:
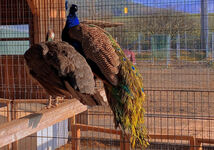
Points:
(20, 128)
(102, 24)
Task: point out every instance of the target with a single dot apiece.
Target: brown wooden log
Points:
(20, 128)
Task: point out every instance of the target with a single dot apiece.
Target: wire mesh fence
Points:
(173, 43)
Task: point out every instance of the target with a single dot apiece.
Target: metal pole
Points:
(185, 37)
(212, 46)
(139, 43)
(178, 43)
(204, 26)
(168, 50)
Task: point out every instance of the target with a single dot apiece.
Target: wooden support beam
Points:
(97, 129)
(71, 122)
(14, 116)
(124, 142)
(199, 141)
(40, 101)
(191, 139)
(31, 4)
(75, 138)
(76, 128)
(5, 101)
(14, 39)
(20, 128)
(102, 24)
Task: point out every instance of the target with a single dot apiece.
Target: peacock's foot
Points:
(58, 99)
(49, 105)
(54, 102)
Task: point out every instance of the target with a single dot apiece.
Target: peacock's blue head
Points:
(73, 9)
(72, 19)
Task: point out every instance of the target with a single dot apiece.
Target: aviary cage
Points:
(179, 87)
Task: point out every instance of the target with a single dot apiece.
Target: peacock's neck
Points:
(72, 20)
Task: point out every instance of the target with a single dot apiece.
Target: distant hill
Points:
(103, 9)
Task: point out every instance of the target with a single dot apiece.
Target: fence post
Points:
(212, 46)
(185, 40)
(13, 117)
(71, 122)
(168, 46)
(9, 146)
(139, 43)
(192, 143)
(153, 48)
(178, 47)
(198, 145)
(124, 142)
(75, 138)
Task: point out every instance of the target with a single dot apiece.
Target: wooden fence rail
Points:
(16, 129)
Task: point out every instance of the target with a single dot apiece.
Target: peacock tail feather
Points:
(130, 97)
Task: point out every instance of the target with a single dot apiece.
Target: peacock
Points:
(122, 80)
(61, 71)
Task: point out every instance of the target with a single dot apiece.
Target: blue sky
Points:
(189, 6)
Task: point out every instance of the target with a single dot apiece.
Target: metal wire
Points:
(173, 42)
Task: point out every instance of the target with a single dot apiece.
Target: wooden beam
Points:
(20, 128)
(97, 129)
(14, 39)
(40, 101)
(31, 4)
(5, 101)
(75, 138)
(199, 141)
(102, 24)
(124, 142)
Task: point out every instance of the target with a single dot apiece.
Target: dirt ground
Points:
(180, 101)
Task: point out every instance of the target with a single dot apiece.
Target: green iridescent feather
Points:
(129, 94)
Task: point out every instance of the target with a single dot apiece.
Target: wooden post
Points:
(71, 122)
(13, 117)
(75, 138)
(9, 146)
(198, 145)
(25, 126)
(124, 142)
(192, 143)
(178, 45)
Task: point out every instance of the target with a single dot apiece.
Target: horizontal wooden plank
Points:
(5, 101)
(208, 141)
(97, 129)
(20, 128)
(102, 24)
(40, 101)
(172, 137)
(14, 39)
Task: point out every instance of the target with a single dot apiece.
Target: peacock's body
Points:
(62, 71)
(122, 81)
